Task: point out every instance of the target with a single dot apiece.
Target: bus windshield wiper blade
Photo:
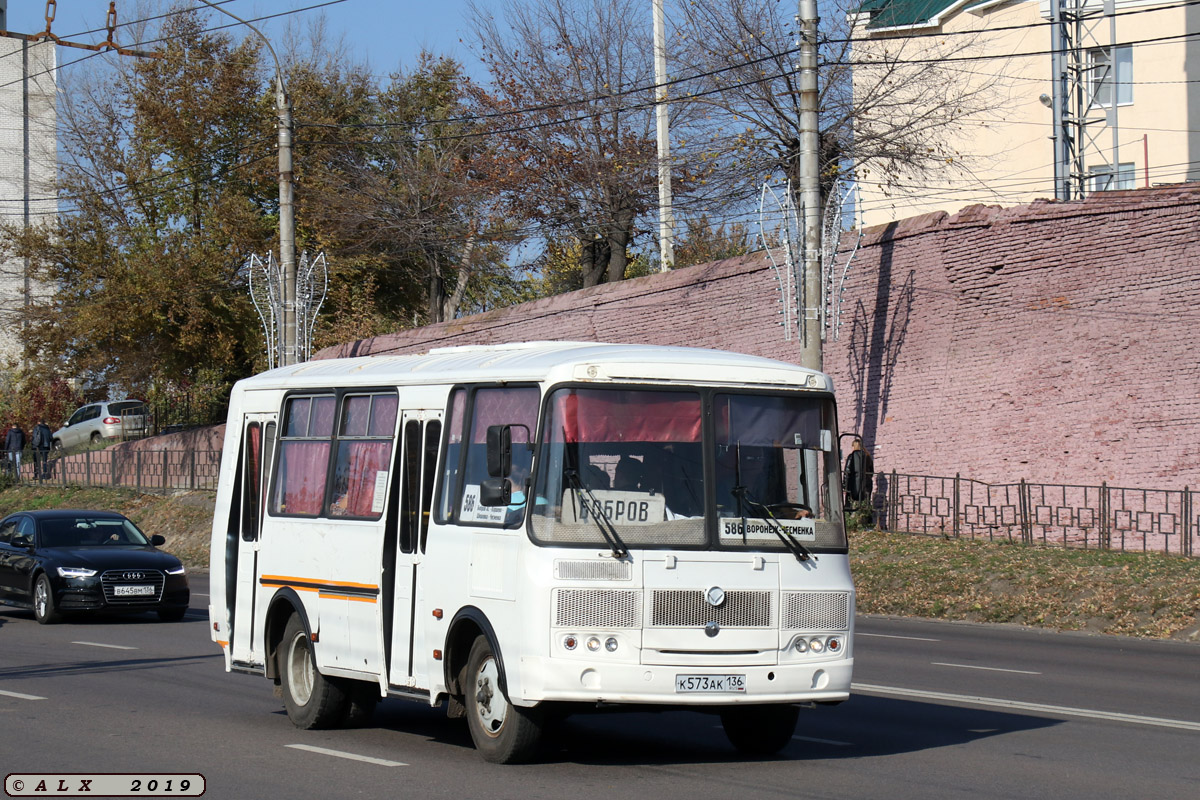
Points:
(801, 552)
(607, 529)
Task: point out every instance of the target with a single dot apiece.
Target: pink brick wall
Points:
(1054, 342)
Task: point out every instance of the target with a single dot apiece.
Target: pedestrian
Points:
(859, 477)
(41, 441)
(14, 443)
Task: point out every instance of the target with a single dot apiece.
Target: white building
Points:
(28, 164)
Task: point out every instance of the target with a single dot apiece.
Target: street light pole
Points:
(288, 352)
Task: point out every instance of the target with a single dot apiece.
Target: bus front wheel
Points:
(311, 699)
(760, 730)
(503, 733)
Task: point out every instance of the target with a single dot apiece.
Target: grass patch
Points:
(1132, 594)
(183, 518)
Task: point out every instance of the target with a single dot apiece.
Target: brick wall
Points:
(1055, 342)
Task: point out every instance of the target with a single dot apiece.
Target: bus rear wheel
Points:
(760, 730)
(312, 700)
(503, 733)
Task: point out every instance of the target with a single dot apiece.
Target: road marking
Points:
(822, 741)
(109, 646)
(994, 702)
(892, 636)
(200, 594)
(989, 669)
(352, 756)
(20, 696)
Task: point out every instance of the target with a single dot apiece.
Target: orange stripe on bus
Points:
(289, 580)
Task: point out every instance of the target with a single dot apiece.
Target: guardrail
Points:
(1099, 517)
(142, 470)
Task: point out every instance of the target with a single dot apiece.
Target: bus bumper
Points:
(568, 680)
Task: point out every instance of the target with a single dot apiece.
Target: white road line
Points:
(993, 702)
(892, 636)
(822, 741)
(20, 696)
(352, 756)
(989, 669)
(109, 646)
(200, 594)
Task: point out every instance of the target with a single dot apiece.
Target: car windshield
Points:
(86, 531)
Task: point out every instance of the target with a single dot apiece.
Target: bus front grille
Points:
(816, 611)
(685, 608)
(597, 608)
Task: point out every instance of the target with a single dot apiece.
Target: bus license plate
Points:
(134, 591)
(710, 683)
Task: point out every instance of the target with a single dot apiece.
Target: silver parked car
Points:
(112, 419)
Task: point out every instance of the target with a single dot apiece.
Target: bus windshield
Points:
(634, 459)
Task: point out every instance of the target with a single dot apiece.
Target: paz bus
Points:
(528, 530)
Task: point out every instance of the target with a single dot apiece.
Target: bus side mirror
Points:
(499, 450)
(495, 492)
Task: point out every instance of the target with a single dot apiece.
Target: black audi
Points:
(62, 561)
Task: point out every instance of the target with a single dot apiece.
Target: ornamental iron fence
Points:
(1097, 517)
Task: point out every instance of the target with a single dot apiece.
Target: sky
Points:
(387, 34)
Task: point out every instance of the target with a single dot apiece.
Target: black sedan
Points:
(65, 561)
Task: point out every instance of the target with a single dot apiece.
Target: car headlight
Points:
(75, 572)
(177, 571)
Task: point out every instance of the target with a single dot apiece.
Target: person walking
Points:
(14, 443)
(41, 440)
(859, 477)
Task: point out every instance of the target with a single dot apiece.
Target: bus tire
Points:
(503, 733)
(312, 700)
(361, 699)
(760, 730)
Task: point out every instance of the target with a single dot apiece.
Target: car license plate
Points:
(710, 683)
(133, 591)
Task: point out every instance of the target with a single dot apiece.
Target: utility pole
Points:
(666, 217)
(810, 190)
(288, 344)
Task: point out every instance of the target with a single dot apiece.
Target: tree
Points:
(164, 176)
(411, 195)
(579, 160)
(877, 106)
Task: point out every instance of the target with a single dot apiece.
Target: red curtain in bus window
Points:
(626, 416)
(301, 484)
(366, 460)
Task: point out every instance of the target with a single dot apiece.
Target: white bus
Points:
(527, 530)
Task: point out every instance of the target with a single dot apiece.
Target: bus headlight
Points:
(816, 645)
(834, 644)
(570, 642)
(610, 644)
(801, 646)
(593, 644)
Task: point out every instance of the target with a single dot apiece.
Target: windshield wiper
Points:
(603, 522)
(743, 496)
(785, 535)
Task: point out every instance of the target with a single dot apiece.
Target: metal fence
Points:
(1099, 517)
(143, 470)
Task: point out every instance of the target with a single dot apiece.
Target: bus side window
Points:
(433, 437)
(453, 457)
(410, 490)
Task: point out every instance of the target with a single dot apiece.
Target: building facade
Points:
(1138, 77)
(28, 168)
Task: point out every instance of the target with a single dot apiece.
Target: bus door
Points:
(258, 438)
(421, 435)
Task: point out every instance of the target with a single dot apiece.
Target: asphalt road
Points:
(940, 710)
